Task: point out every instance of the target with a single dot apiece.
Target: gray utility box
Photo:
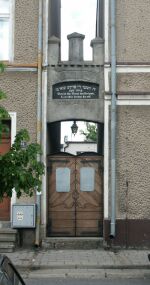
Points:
(23, 216)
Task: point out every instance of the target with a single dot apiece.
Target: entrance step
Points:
(72, 243)
(5, 224)
(8, 239)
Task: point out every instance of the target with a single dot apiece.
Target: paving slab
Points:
(80, 259)
(90, 273)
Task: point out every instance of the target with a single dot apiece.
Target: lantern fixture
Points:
(74, 128)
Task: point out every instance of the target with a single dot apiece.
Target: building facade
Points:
(42, 91)
(132, 131)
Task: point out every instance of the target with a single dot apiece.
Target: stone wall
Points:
(21, 90)
(133, 22)
(83, 109)
(26, 31)
(133, 82)
(133, 162)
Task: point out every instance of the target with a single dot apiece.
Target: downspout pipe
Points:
(39, 117)
(113, 120)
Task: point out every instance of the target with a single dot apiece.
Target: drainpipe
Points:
(39, 115)
(113, 119)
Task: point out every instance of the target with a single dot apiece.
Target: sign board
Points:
(75, 90)
(19, 215)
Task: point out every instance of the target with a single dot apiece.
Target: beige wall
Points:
(133, 82)
(133, 162)
(21, 90)
(133, 30)
(26, 31)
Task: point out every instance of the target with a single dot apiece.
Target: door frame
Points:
(13, 116)
(65, 155)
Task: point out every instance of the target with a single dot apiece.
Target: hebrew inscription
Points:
(75, 90)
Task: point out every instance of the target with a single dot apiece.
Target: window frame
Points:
(63, 179)
(84, 187)
(10, 17)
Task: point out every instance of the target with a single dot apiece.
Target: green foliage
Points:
(2, 67)
(90, 133)
(2, 94)
(20, 169)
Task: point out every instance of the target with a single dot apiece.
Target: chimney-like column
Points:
(53, 50)
(75, 47)
(98, 50)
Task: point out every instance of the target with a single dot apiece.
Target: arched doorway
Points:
(58, 139)
(75, 188)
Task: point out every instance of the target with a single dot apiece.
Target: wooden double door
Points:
(75, 195)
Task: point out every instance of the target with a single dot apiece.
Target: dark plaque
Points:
(75, 90)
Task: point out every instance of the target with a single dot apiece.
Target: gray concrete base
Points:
(72, 243)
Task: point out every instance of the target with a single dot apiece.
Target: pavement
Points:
(98, 263)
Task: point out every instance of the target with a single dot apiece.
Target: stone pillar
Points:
(75, 47)
(53, 50)
(98, 50)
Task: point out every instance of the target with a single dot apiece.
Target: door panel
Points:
(84, 215)
(57, 215)
(61, 208)
(75, 205)
(5, 209)
(5, 145)
(90, 202)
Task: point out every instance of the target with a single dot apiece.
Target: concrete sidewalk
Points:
(92, 263)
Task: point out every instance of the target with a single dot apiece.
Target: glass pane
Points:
(4, 6)
(87, 179)
(62, 179)
(4, 39)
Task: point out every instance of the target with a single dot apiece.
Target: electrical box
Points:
(23, 216)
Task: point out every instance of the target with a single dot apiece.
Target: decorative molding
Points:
(106, 29)
(123, 69)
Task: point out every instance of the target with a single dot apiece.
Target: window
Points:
(62, 179)
(87, 179)
(4, 29)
